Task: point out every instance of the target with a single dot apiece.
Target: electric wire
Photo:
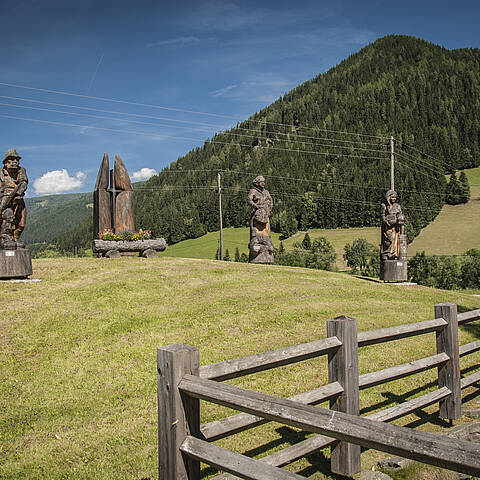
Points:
(126, 102)
(330, 154)
(205, 127)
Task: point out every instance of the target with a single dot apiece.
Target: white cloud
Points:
(143, 174)
(58, 181)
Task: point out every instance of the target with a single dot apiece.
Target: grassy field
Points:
(78, 355)
(455, 230)
(206, 246)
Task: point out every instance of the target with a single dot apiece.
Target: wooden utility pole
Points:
(220, 251)
(392, 164)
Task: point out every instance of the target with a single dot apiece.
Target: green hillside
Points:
(402, 86)
(455, 230)
(50, 215)
(78, 353)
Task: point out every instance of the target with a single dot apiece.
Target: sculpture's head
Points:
(259, 182)
(11, 159)
(392, 197)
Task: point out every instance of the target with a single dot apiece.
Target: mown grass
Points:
(206, 246)
(78, 353)
(455, 230)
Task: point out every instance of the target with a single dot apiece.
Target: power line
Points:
(203, 125)
(126, 102)
(330, 154)
(110, 111)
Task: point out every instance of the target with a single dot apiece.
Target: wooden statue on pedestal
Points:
(260, 246)
(113, 199)
(15, 259)
(393, 248)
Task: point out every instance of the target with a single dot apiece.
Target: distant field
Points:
(338, 237)
(206, 246)
(473, 176)
(455, 230)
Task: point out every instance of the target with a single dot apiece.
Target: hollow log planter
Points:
(113, 249)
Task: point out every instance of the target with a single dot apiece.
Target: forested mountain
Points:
(324, 147)
(51, 215)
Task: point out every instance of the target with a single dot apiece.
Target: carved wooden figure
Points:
(15, 259)
(393, 247)
(260, 246)
(113, 199)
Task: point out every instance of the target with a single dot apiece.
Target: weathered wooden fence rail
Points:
(182, 383)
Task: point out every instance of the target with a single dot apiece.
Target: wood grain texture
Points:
(124, 212)
(470, 380)
(243, 421)
(389, 334)
(15, 263)
(453, 454)
(469, 348)
(264, 361)
(343, 368)
(449, 372)
(470, 316)
(177, 416)
(103, 246)
(399, 371)
(240, 465)
(122, 179)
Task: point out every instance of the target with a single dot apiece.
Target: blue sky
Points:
(179, 71)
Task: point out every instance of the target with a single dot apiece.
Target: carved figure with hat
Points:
(13, 184)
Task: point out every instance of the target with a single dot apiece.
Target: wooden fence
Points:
(182, 383)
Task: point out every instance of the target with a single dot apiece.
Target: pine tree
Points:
(306, 242)
(454, 191)
(464, 188)
(237, 255)
(227, 256)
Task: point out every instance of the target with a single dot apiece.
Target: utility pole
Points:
(392, 164)
(220, 251)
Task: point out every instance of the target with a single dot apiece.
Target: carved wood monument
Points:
(113, 210)
(15, 259)
(393, 248)
(260, 246)
(113, 199)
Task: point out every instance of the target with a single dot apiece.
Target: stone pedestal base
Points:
(393, 270)
(15, 263)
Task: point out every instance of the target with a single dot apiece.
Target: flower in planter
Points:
(127, 235)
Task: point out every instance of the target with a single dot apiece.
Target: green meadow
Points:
(78, 355)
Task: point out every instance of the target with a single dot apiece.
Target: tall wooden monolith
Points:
(113, 207)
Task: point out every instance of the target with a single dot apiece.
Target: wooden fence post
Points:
(178, 415)
(449, 372)
(343, 368)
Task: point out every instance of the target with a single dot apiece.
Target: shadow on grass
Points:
(368, 279)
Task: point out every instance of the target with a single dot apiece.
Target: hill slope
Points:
(78, 376)
(51, 215)
(319, 177)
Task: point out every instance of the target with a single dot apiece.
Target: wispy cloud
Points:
(258, 88)
(179, 41)
(224, 92)
(58, 181)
